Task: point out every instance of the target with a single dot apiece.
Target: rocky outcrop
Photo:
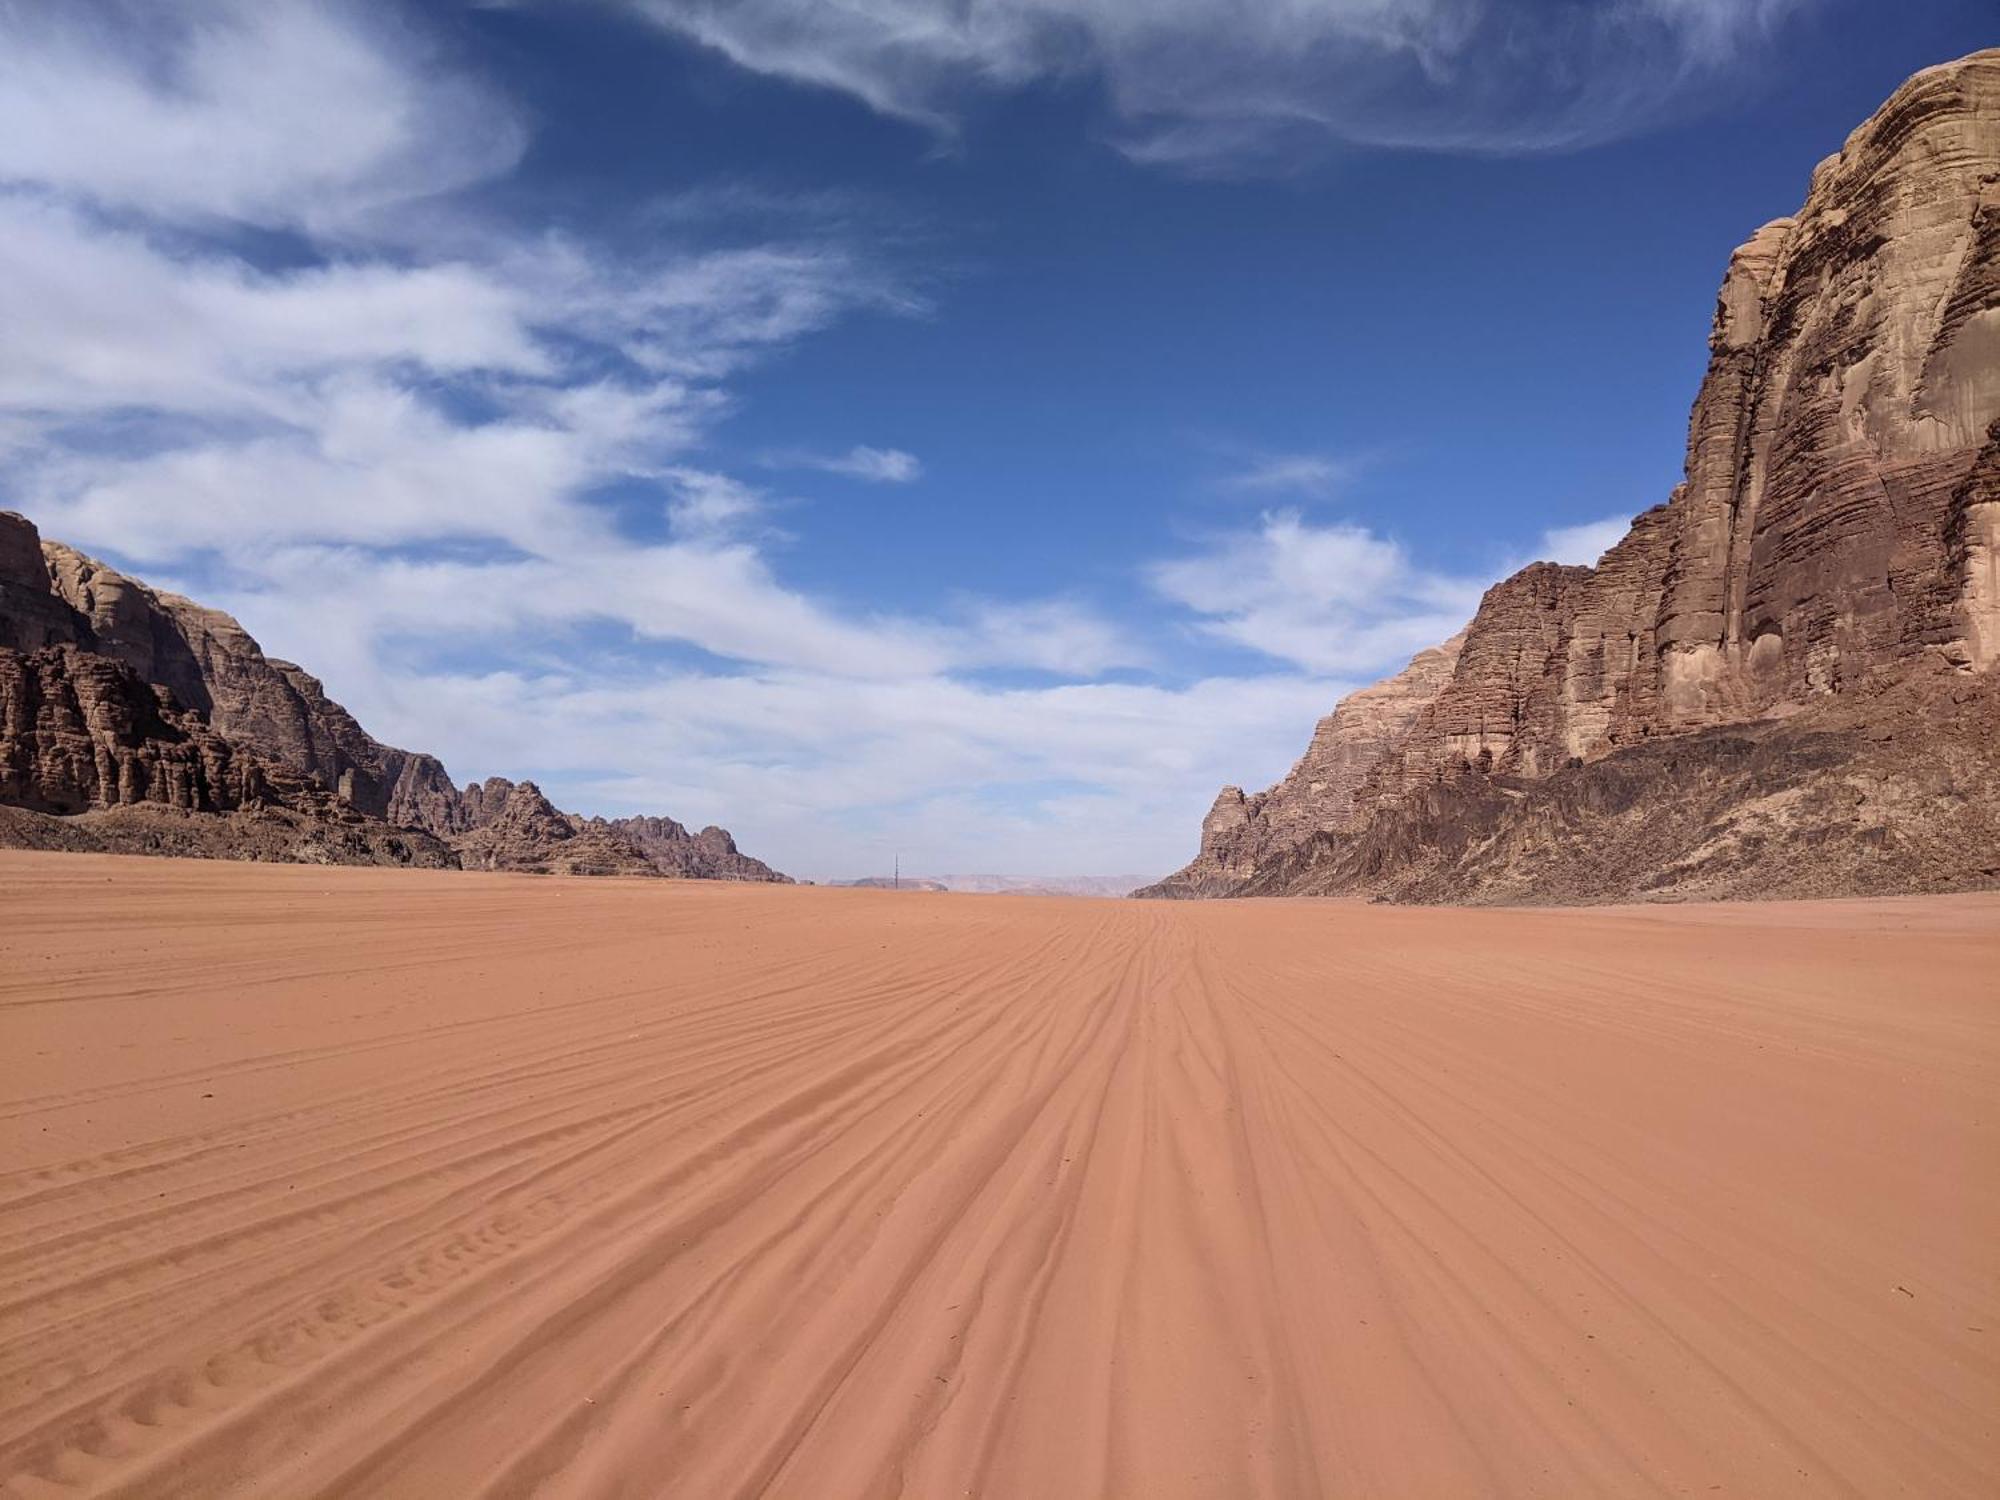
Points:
(1835, 536)
(93, 757)
(158, 725)
(1887, 789)
(270, 707)
(79, 731)
(1244, 834)
(271, 833)
(709, 855)
(515, 827)
(32, 615)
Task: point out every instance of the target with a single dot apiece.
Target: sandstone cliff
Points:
(157, 725)
(79, 731)
(1243, 835)
(708, 855)
(1889, 788)
(269, 707)
(1830, 554)
(93, 757)
(515, 827)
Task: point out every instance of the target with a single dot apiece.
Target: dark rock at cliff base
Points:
(273, 834)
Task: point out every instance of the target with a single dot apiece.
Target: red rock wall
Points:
(1840, 516)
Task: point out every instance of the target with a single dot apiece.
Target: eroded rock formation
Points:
(79, 731)
(708, 855)
(93, 757)
(1243, 835)
(269, 707)
(1823, 585)
(135, 720)
(517, 828)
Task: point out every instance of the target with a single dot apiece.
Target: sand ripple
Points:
(358, 1183)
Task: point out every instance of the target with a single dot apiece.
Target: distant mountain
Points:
(1011, 885)
(1043, 885)
(1781, 682)
(134, 720)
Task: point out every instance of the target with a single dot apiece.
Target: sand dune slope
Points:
(360, 1182)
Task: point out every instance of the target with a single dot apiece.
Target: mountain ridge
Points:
(136, 720)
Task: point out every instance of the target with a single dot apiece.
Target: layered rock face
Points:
(163, 727)
(1892, 787)
(93, 757)
(1243, 835)
(269, 707)
(515, 827)
(79, 731)
(708, 855)
(1835, 536)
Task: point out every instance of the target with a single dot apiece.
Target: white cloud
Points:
(705, 314)
(708, 506)
(1205, 84)
(390, 437)
(873, 465)
(1331, 599)
(1049, 635)
(823, 774)
(364, 462)
(1584, 542)
(1311, 474)
(384, 440)
(101, 318)
(312, 113)
(718, 596)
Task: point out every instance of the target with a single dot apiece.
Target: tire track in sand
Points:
(410, 1185)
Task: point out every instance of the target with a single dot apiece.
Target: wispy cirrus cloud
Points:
(1207, 85)
(870, 465)
(311, 115)
(1312, 475)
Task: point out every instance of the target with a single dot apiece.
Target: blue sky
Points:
(969, 430)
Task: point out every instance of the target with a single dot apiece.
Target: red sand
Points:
(358, 1183)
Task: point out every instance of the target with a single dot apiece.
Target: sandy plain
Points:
(369, 1183)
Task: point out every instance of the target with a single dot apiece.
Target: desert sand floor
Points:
(359, 1183)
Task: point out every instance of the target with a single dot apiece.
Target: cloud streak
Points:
(1307, 474)
(314, 116)
(1231, 85)
(870, 465)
